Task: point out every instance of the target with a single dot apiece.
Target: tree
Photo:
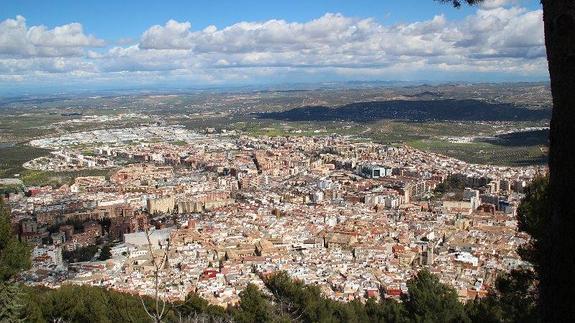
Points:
(71, 303)
(512, 300)
(254, 307)
(80, 254)
(388, 310)
(516, 294)
(556, 272)
(533, 216)
(105, 253)
(196, 309)
(14, 257)
(486, 310)
(305, 303)
(452, 184)
(429, 300)
(457, 3)
(10, 302)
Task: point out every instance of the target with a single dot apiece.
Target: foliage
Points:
(105, 253)
(12, 158)
(71, 303)
(533, 217)
(84, 304)
(486, 310)
(385, 311)
(10, 302)
(482, 152)
(517, 296)
(513, 300)
(255, 307)
(195, 305)
(14, 258)
(179, 143)
(452, 184)
(306, 303)
(5, 190)
(14, 255)
(106, 223)
(56, 179)
(80, 254)
(418, 110)
(457, 3)
(430, 300)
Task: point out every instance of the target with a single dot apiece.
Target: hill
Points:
(417, 110)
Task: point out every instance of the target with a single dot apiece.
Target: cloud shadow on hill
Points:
(418, 110)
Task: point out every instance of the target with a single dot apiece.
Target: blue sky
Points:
(137, 16)
(107, 43)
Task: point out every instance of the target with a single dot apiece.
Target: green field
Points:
(12, 158)
(514, 150)
(485, 153)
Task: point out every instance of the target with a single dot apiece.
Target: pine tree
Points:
(14, 257)
(429, 300)
(11, 303)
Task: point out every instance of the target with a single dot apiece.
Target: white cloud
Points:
(497, 38)
(502, 32)
(17, 40)
(173, 35)
(492, 4)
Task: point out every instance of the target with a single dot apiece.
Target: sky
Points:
(60, 45)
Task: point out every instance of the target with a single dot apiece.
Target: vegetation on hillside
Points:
(424, 110)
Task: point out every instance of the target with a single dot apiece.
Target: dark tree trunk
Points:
(558, 267)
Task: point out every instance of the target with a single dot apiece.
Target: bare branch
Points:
(163, 308)
(158, 265)
(146, 308)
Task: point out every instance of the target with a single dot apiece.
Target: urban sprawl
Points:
(223, 209)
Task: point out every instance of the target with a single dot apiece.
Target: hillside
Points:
(418, 110)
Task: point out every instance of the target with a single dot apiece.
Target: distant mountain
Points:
(417, 110)
(424, 94)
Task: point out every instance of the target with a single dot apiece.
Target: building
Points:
(374, 171)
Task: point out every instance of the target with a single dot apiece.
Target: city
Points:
(302, 161)
(353, 217)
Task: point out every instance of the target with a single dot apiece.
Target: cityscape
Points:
(351, 216)
(302, 162)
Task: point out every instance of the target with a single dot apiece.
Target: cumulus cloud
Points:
(503, 32)
(174, 35)
(334, 39)
(17, 40)
(492, 4)
(497, 38)
(272, 35)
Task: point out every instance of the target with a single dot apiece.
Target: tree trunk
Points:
(558, 269)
